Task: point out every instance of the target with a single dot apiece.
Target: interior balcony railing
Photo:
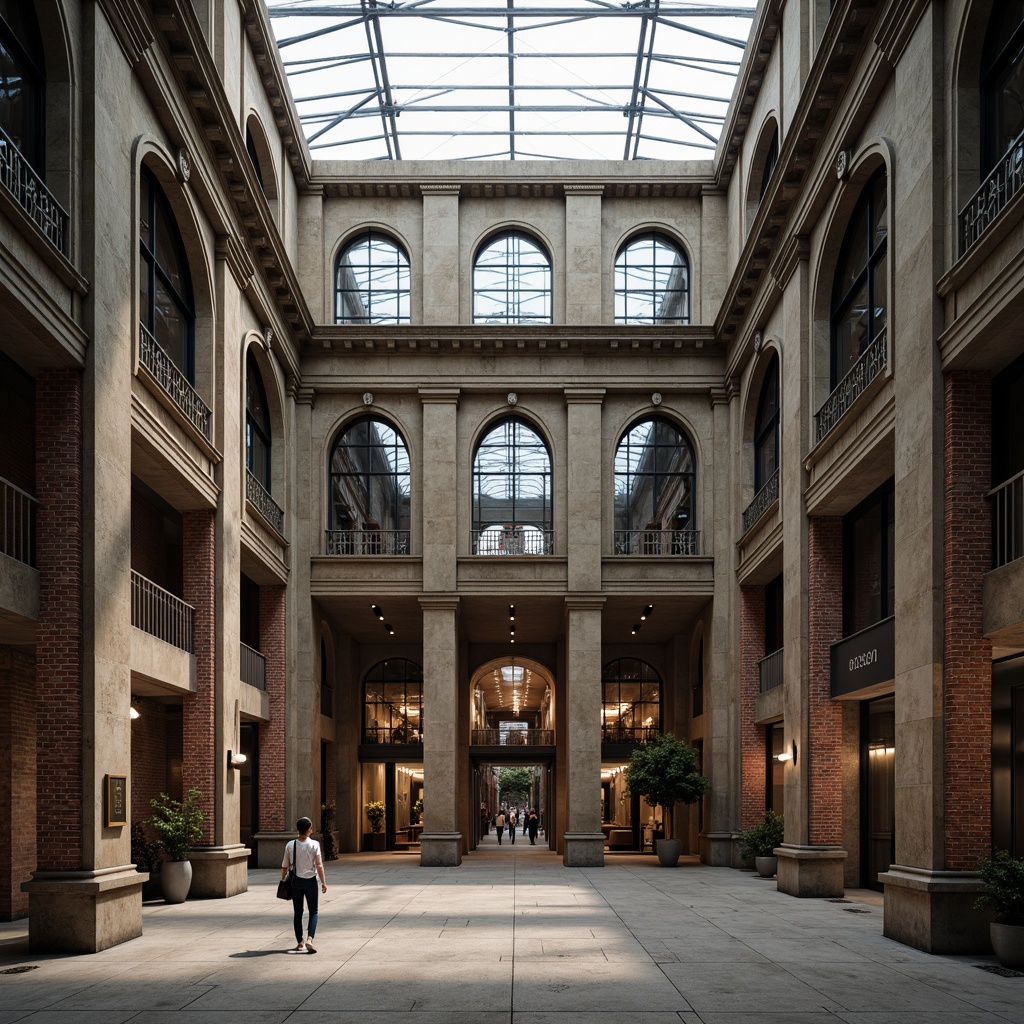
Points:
(366, 542)
(512, 738)
(173, 381)
(403, 735)
(161, 614)
(621, 733)
(763, 500)
(1007, 521)
(31, 194)
(514, 539)
(873, 360)
(655, 541)
(1001, 185)
(257, 495)
(252, 667)
(771, 671)
(18, 523)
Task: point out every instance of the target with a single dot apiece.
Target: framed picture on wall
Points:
(117, 800)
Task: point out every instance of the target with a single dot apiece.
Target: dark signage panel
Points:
(864, 659)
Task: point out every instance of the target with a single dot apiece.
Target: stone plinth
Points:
(440, 849)
(810, 871)
(583, 850)
(718, 849)
(270, 848)
(219, 871)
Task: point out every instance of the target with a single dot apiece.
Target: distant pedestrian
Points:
(533, 824)
(512, 825)
(525, 819)
(302, 856)
(499, 824)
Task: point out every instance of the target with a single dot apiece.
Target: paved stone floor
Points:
(511, 937)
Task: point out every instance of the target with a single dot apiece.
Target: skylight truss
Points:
(511, 79)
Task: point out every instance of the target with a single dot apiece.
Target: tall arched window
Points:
(766, 427)
(393, 702)
(630, 701)
(257, 424)
(860, 292)
(371, 282)
(512, 492)
(654, 501)
(652, 282)
(369, 491)
(166, 308)
(770, 160)
(1002, 81)
(512, 282)
(22, 81)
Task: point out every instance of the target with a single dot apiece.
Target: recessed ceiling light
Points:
(636, 628)
(389, 628)
(647, 611)
(376, 611)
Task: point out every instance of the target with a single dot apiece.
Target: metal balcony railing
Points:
(252, 667)
(514, 539)
(628, 733)
(32, 195)
(771, 671)
(401, 734)
(1007, 521)
(657, 542)
(872, 361)
(173, 381)
(259, 497)
(158, 612)
(512, 738)
(763, 500)
(366, 542)
(18, 523)
(1001, 185)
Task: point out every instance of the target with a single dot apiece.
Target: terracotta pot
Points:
(1008, 944)
(766, 866)
(176, 880)
(668, 852)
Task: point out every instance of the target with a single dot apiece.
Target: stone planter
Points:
(1008, 944)
(176, 880)
(766, 866)
(375, 841)
(668, 852)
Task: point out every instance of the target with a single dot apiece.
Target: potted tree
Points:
(759, 841)
(375, 839)
(664, 772)
(1003, 879)
(178, 828)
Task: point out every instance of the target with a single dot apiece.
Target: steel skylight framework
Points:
(511, 79)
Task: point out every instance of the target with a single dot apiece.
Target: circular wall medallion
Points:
(512, 398)
(184, 165)
(367, 398)
(656, 398)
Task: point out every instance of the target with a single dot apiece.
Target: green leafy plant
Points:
(375, 811)
(417, 810)
(761, 839)
(178, 823)
(664, 772)
(1003, 878)
(514, 784)
(145, 852)
(328, 813)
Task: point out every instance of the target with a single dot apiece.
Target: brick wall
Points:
(752, 769)
(272, 733)
(824, 715)
(149, 755)
(59, 636)
(17, 780)
(148, 549)
(967, 655)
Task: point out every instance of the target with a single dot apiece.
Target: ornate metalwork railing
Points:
(512, 738)
(1007, 521)
(657, 542)
(260, 498)
(763, 500)
(872, 361)
(1002, 184)
(18, 523)
(252, 667)
(514, 539)
(173, 381)
(161, 614)
(771, 671)
(29, 192)
(366, 542)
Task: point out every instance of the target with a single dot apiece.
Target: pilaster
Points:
(584, 273)
(441, 266)
(584, 504)
(440, 488)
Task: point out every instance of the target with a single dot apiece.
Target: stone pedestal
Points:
(583, 850)
(270, 848)
(718, 849)
(931, 910)
(811, 871)
(219, 871)
(440, 849)
(84, 911)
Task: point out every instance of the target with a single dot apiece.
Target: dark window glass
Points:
(249, 617)
(869, 561)
(698, 684)
(512, 282)
(22, 80)
(1008, 423)
(766, 427)
(393, 702)
(254, 157)
(326, 690)
(1002, 81)
(257, 424)
(652, 282)
(770, 160)
(630, 702)
(372, 282)
(773, 616)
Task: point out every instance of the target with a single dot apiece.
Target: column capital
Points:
(584, 396)
(439, 396)
(588, 188)
(447, 188)
(439, 602)
(585, 603)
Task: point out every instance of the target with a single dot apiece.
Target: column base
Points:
(219, 871)
(719, 849)
(84, 911)
(814, 872)
(583, 849)
(440, 849)
(931, 910)
(270, 848)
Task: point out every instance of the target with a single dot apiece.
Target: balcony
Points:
(366, 542)
(512, 738)
(763, 500)
(29, 192)
(259, 497)
(18, 523)
(173, 382)
(622, 733)
(655, 541)
(770, 669)
(253, 667)
(158, 612)
(873, 360)
(1002, 184)
(514, 539)
(1007, 521)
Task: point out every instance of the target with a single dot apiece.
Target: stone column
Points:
(584, 273)
(584, 473)
(441, 266)
(272, 766)
(752, 744)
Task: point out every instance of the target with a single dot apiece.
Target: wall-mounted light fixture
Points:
(133, 712)
(788, 755)
(236, 760)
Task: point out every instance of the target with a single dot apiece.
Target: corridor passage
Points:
(510, 936)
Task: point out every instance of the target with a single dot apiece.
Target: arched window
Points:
(1002, 81)
(652, 282)
(393, 702)
(254, 156)
(630, 701)
(166, 308)
(512, 492)
(257, 424)
(860, 291)
(369, 491)
(371, 282)
(654, 479)
(766, 427)
(770, 160)
(512, 282)
(22, 81)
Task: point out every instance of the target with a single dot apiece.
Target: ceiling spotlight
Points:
(376, 611)
(636, 628)
(133, 712)
(647, 611)
(512, 630)
(388, 628)
(512, 640)
(511, 613)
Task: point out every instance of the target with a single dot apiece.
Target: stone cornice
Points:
(133, 34)
(238, 261)
(439, 396)
(440, 189)
(585, 396)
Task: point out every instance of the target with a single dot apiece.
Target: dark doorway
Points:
(249, 790)
(878, 786)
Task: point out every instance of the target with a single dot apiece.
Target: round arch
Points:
(492, 687)
(264, 163)
(762, 164)
(351, 237)
(536, 238)
(254, 343)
